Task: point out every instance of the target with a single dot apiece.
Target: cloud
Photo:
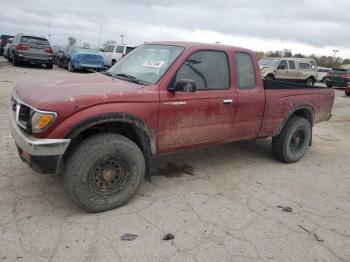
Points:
(304, 23)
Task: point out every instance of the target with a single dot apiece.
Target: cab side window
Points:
(245, 71)
(209, 70)
(291, 64)
(283, 65)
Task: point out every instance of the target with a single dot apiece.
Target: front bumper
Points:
(43, 155)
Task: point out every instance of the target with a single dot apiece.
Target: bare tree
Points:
(72, 41)
(86, 45)
(109, 42)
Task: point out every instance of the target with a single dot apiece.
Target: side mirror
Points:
(184, 85)
(101, 50)
(281, 67)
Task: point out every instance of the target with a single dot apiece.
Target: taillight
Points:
(21, 47)
(48, 50)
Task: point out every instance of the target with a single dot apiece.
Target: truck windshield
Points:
(269, 62)
(146, 63)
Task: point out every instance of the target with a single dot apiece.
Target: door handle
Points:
(228, 101)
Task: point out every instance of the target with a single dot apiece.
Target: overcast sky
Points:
(305, 26)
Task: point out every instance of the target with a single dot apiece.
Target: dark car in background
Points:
(6, 47)
(3, 41)
(74, 58)
(32, 49)
(338, 77)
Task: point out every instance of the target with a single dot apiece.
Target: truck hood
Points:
(264, 67)
(82, 90)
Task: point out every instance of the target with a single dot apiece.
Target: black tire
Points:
(49, 66)
(270, 77)
(329, 85)
(310, 81)
(15, 62)
(293, 141)
(70, 67)
(111, 155)
(113, 62)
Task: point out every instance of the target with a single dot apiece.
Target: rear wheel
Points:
(329, 85)
(104, 172)
(113, 62)
(294, 140)
(49, 65)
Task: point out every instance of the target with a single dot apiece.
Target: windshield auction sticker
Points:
(153, 63)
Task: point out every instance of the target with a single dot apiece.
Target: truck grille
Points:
(22, 113)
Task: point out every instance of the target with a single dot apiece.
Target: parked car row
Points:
(37, 50)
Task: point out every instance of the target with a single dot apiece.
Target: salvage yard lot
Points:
(220, 202)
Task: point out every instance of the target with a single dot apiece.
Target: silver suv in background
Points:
(32, 49)
(289, 69)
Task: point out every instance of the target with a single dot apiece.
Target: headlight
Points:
(41, 120)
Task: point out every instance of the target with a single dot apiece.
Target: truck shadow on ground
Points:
(184, 162)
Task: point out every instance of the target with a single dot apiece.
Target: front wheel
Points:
(310, 82)
(104, 172)
(70, 67)
(294, 140)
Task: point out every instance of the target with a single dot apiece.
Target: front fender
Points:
(144, 116)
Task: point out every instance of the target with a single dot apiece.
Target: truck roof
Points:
(201, 45)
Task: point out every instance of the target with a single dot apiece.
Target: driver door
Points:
(202, 117)
(282, 70)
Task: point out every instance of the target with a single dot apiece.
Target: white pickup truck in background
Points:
(113, 53)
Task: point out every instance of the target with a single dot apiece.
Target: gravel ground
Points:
(219, 202)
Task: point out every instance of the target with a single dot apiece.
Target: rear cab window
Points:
(291, 65)
(209, 69)
(245, 71)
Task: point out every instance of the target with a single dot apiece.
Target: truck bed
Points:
(283, 98)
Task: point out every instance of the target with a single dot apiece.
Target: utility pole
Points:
(122, 37)
(334, 54)
(99, 37)
(48, 32)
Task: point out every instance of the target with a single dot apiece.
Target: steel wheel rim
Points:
(297, 141)
(108, 176)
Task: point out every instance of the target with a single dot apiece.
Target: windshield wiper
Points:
(130, 77)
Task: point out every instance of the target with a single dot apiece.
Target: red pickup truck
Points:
(101, 129)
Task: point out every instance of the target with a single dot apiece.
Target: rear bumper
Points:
(34, 59)
(87, 66)
(43, 155)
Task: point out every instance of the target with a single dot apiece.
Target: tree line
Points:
(323, 61)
